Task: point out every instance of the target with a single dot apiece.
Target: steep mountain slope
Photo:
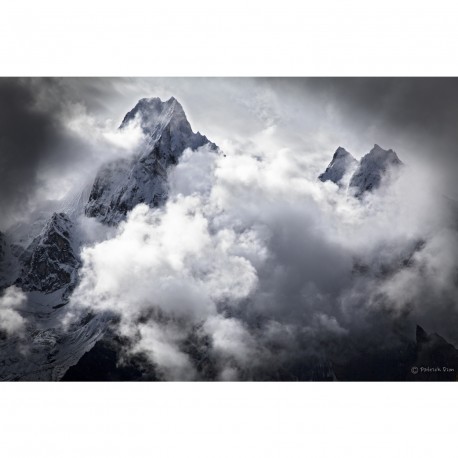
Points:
(48, 273)
(122, 184)
(46, 351)
(42, 259)
(50, 262)
(342, 163)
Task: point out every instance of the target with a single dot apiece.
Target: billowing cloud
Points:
(266, 267)
(11, 321)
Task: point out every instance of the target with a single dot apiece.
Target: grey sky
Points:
(41, 157)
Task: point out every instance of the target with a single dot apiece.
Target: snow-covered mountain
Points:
(42, 259)
(365, 175)
(124, 183)
(342, 164)
(372, 169)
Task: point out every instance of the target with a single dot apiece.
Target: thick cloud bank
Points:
(254, 267)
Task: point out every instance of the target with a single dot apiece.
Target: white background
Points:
(237, 38)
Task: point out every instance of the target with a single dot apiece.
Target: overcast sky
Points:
(50, 129)
(413, 116)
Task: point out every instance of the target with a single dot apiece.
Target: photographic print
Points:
(228, 229)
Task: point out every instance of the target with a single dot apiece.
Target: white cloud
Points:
(252, 251)
(161, 343)
(11, 321)
(233, 346)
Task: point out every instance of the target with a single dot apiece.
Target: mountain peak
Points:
(383, 154)
(122, 184)
(340, 151)
(153, 114)
(372, 169)
(341, 164)
(420, 334)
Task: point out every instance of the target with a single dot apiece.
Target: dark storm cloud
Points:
(50, 140)
(26, 138)
(423, 106)
(32, 143)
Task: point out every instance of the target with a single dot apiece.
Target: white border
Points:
(228, 419)
(236, 38)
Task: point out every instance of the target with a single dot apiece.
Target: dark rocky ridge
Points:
(372, 170)
(49, 263)
(342, 163)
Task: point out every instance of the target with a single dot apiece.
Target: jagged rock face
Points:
(44, 352)
(50, 262)
(122, 184)
(342, 163)
(436, 359)
(372, 169)
(165, 121)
